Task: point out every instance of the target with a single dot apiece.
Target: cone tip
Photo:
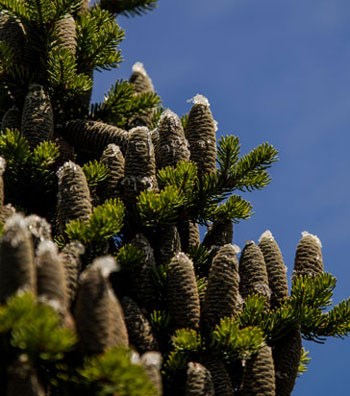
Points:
(306, 234)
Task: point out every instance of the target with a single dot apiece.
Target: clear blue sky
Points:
(276, 71)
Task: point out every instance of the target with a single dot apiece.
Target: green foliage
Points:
(95, 172)
(304, 362)
(106, 220)
(114, 372)
(129, 7)
(235, 208)
(35, 328)
(186, 340)
(129, 257)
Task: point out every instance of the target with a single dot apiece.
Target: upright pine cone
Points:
(168, 244)
(113, 158)
(286, 354)
(140, 164)
(93, 136)
(199, 382)
(140, 79)
(219, 233)
(66, 150)
(12, 119)
(39, 229)
(220, 377)
(222, 295)
(74, 200)
(65, 29)
(276, 269)
(201, 135)
(253, 273)
(308, 257)
(182, 293)
(152, 363)
(2, 170)
(13, 34)
(37, 117)
(259, 374)
(98, 315)
(17, 270)
(189, 235)
(51, 281)
(139, 329)
(172, 146)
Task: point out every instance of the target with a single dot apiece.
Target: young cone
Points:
(12, 119)
(253, 273)
(220, 377)
(259, 374)
(201, 135)
(222, 295)
(199, 382)
(189, 235)
(168, 244)
(276, 269)
(17, 271)
(74, 200)
(12, 34)
(308, 257)
(182, 293)
(66, 32)
(37, 118)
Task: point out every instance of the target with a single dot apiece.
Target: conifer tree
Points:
(106, 287)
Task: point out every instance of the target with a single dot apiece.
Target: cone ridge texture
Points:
(139, 329)
(96, 312)
(51, 281)
(140, 79)
(66, 150)
(74, 200)
(222, 294)
(308, 257)
(94, 136)
(168, 244)
(17, 270)
(219, 234)
(201, 135)
(12, 33)
(2, 194)
(199, 382)
(259, 374)
(172, 146)
(189, 235)
(12, 119)
(113, 158)
(37, 117)
(182, 293)
(67, 34)
(253, 273)
(140, 164)
(22, 380)
(39, 229)
(286, 355)
(276, 270)
(152, 362)
(220, 377)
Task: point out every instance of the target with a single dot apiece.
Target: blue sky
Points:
(276, 71)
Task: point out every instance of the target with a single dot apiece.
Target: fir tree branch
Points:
(128, 7)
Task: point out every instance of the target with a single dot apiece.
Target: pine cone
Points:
(222, 295)
(2, 170)
(66, 150)
(253, 273)
(199, 382)
(65, 29)
(276, 269)
(182, 293)
(172, 146)
(12, 119)
(201, 135)
(220, 377)
(17, 270)
(308, 257)
(74, 200)
(259, 374)
(13, 34)
(39, 229)
(139, 329)
(189, 235)
(168, 244)
(140, 79)
(152, 362)
(37, 118)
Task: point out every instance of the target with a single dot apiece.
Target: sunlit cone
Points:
(94, 136)
(172, 146)
(286, 354)
(201, 135)
(17, 270)
(199, 382)
(222, 295)
(140, 165)
(219, 376)
(22, 379)
(218, 234)
(70, 256)
(67, 152)
(308, 257)
(37, 123)
(12, 34)
(140, 79)
(74, 200)
(152, 362)
(113, 158)
(139, 329)
(189, 235)
(182, 293)
(142, 283)
(12, 119)
(65, 29)
(252, 272)
(259, 374)
(276, 269)
(39, 229)
(99, 319)
(168, 244)
(51, 281)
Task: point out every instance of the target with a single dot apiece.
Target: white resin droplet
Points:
(305, 234)
(105, 264)
(139, 68)
(46, 247)
(199, 99)
(2, 165)
(266, 235)
(152, 359)
(67, 165)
